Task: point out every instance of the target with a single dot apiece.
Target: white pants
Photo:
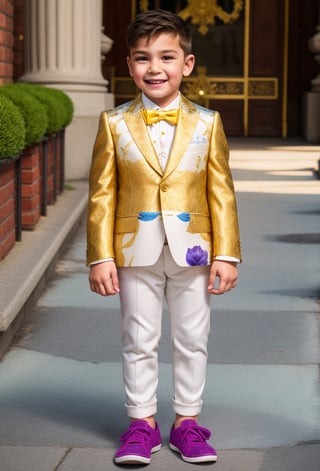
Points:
(142, 291)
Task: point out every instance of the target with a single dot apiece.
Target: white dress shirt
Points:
(162, 133)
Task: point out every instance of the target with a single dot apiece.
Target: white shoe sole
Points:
(136, 459)
(197, 459)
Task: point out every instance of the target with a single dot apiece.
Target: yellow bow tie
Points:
(154, 116)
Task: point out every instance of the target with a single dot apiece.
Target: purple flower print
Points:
(196, 256)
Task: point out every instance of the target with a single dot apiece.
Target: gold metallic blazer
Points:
(134, 205)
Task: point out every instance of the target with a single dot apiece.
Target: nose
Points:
(154, 67)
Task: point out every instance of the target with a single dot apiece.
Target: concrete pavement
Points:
(61, 396)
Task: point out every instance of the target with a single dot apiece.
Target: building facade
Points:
(256, 61)
(253, 63)
(60, 43)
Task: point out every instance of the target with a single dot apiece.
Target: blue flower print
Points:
(196, 256)
(147, 216)
(184, 217)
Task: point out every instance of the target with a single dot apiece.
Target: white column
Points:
(63, 50)
(63, 43)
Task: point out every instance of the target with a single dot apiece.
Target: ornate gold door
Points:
(241, 61)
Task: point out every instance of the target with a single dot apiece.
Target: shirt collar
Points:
(147, 103)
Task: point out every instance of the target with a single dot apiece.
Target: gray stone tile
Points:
(46, 400)
(266, 337)
(239, 460)
(262, 406)
(20, 458)
(94, 335)
(102, 460)
(80, 459)
(91, 335)
(275, 275)
(72, 290)
(296, 458)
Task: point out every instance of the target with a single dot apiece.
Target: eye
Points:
(140, 59)
(167, 58)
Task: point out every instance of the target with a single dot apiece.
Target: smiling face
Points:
(158, 65)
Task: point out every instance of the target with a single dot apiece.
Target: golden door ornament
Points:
(203, 13)
(201, 86)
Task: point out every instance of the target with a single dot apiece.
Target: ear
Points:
(189, 62)
(129, 66)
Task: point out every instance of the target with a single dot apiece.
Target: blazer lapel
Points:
(189, 116)
(139, 132)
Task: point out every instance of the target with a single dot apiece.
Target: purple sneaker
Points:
(190, 441)
(138, 443)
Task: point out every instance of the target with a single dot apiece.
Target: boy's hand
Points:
(103, 278)
(224, 274)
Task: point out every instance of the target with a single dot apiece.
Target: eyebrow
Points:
(167, 51)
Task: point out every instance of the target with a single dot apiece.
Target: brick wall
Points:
(6, 41)
(7, 173)
(7, 205)
(31, 187)
(18, 48)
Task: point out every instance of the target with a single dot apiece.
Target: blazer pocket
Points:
(126, 225)
(199, 223)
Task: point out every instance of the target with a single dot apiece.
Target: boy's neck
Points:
(147, 103)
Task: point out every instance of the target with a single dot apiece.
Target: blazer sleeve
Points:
(102, 195)
(221, 196)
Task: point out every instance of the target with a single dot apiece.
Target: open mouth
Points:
(155, 82)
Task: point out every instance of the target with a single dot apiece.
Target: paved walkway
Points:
(61, 397)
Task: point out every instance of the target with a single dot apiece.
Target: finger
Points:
(109, 287)
(214, 281)
(216, 287)
(115, 283)
(99, 288)
(216, 292)
(223, 287)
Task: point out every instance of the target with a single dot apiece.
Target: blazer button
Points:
(164, 187)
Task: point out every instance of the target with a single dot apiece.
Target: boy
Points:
(162, 222)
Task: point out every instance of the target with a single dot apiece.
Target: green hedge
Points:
(33, 112)
(12, 129)
(28, 112)
(58, 105)
(55, 110)
(64, 99)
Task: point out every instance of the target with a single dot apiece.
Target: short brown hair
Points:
(154, 22)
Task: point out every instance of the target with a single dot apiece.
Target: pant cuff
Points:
(141, 412)
(188, 410)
